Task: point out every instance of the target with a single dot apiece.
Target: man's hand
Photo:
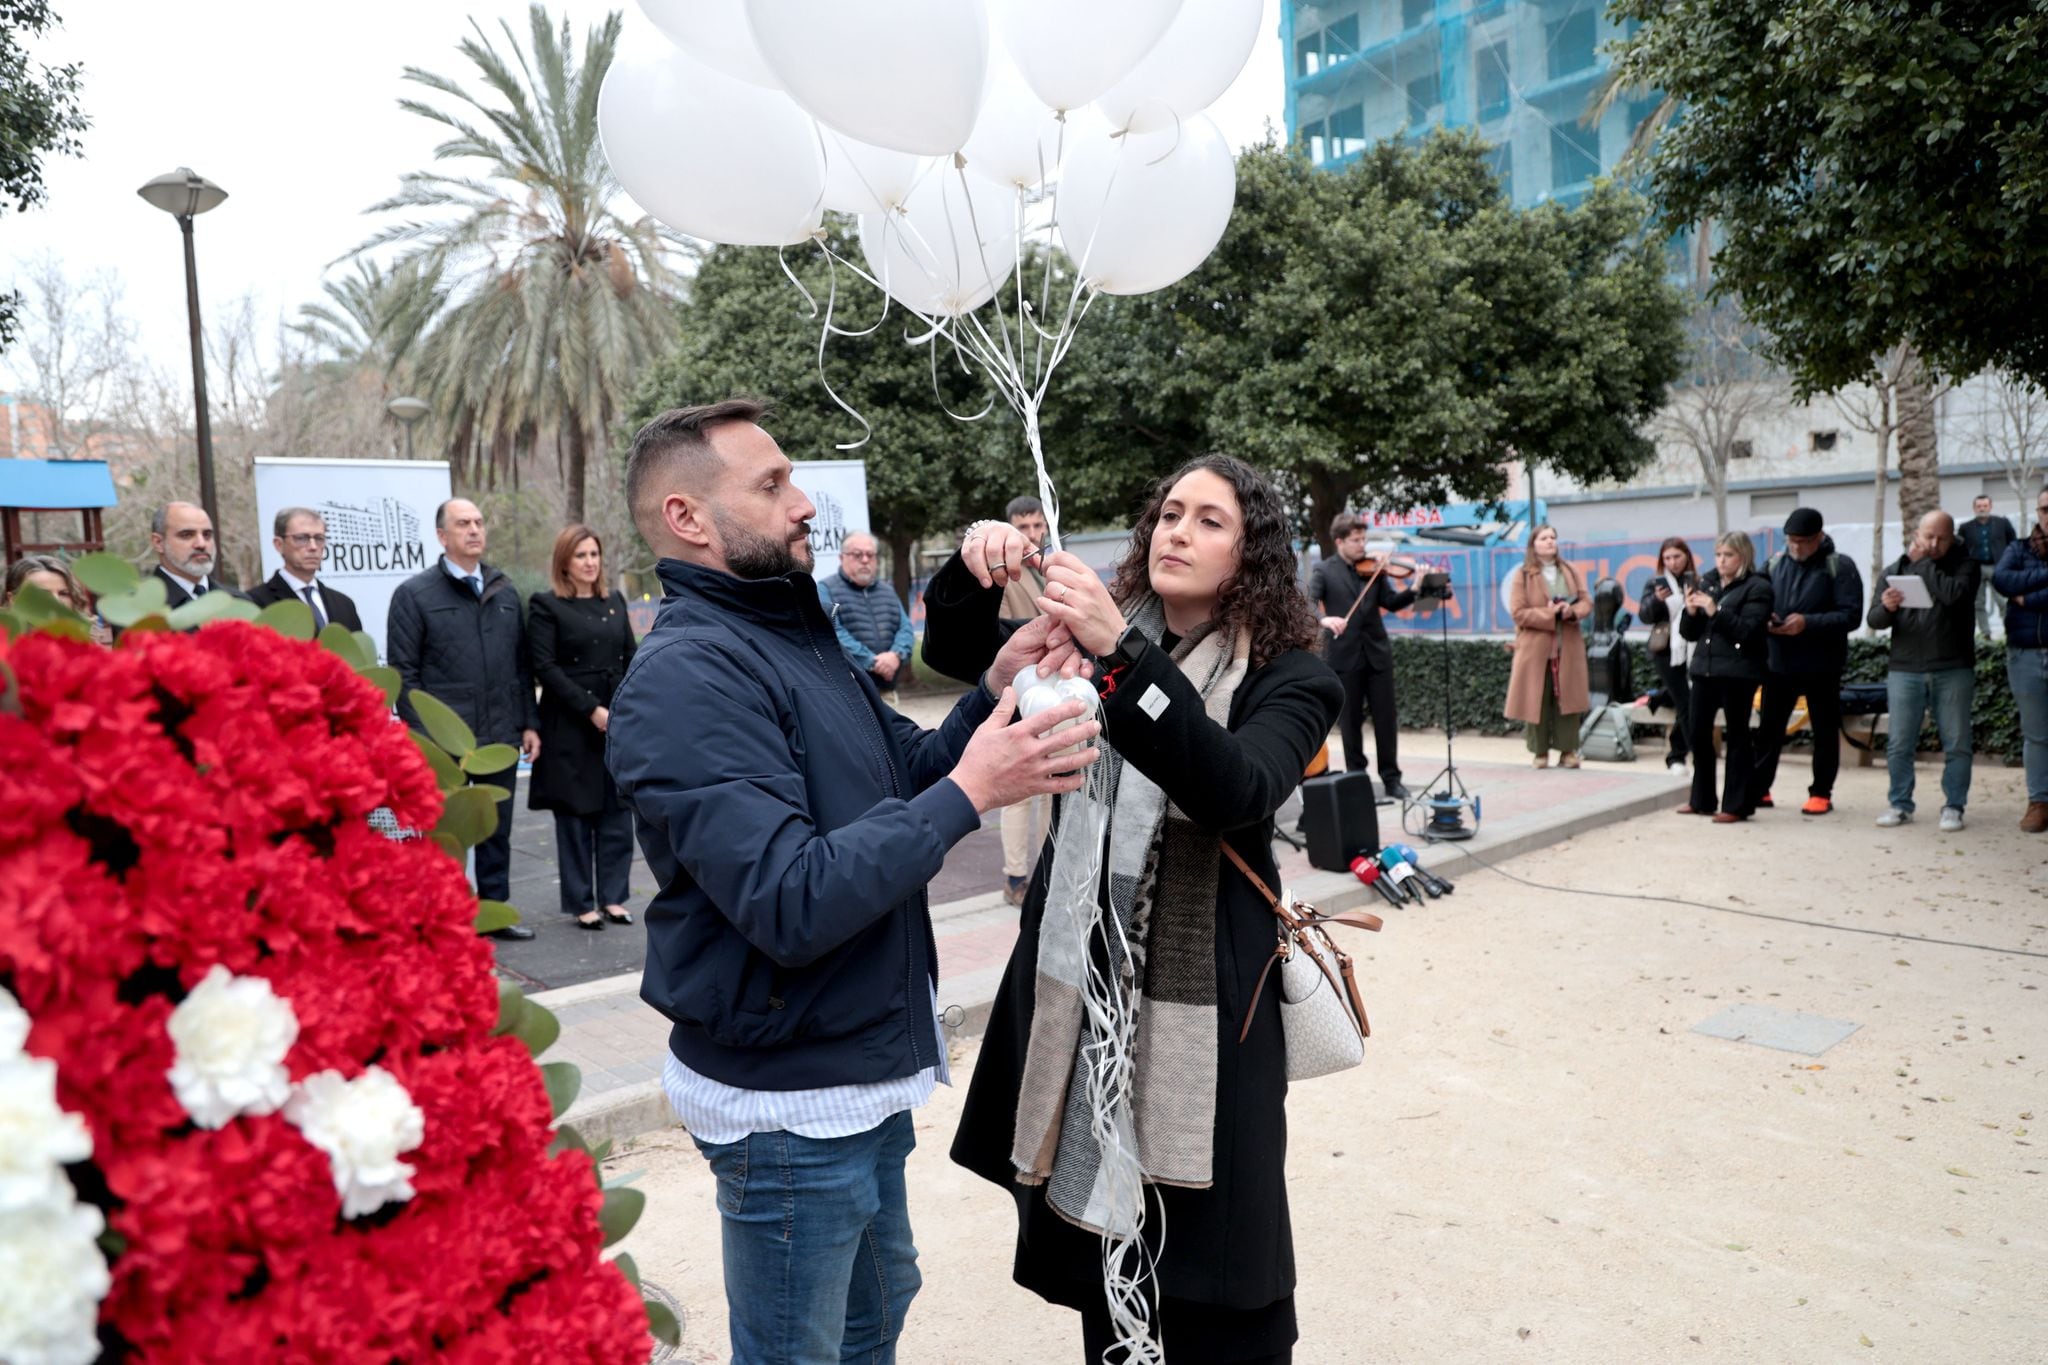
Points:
(1333, 624)
(1004, 763)
(1795, 624)
(994, 553)
(887, 662)
(1919, 549)
(529, 744)
(601, 718)
(1041, 643)
(1893, 599)
(1075, 594)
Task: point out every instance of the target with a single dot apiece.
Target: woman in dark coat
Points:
(1212, 691)
(1725, 617)
(581, 640)
(1674, 565)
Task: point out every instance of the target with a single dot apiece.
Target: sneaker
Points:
(1894, 816)
(1951, 819)
(1014, 892)
(1674, 765)
(1817, 805)
(2036, 818)
(1767, 803)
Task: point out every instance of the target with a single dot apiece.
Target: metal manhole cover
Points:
(662, 1351)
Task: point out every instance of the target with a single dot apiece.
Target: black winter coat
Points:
(1732, 642)
(466, 651)
(793, 949)
(339, 607)
(579, 648)
(1830, 600)
(1943, 636)
(1336, 585)
(1231, 1244)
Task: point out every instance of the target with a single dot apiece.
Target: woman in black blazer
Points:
(1726, 617)
(581, 641)
(1213, 692)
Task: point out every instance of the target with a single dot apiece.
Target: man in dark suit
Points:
(300, 536)
(1358, 651)
(457, 633)
(186, 560)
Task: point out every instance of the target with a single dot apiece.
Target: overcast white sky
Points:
(293, 110)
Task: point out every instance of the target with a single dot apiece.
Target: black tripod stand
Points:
(1441, 808)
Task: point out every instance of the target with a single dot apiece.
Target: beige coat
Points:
(1539, 635)
(1020, 597)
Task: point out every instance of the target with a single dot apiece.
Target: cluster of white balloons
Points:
(759, 115)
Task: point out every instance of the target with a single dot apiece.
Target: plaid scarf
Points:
(1153, 1054)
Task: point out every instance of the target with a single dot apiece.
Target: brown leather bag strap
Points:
(1257, 882)
(1252, 1010)
(1357, 919)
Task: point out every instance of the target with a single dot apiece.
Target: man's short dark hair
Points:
(441, 515)
(1343, 524)
(678, 443)
(284, 519)
(1024, 505)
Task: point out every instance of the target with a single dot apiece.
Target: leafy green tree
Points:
(39, 117)
(555, 303)
(1876, 172)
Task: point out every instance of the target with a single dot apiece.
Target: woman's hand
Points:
(1042, 643)
(994, 552)
(601, 718)
(1699, 602)
(1076, 596)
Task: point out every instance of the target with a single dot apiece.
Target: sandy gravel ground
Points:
(1541, 1161)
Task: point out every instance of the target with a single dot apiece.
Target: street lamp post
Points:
(185, 195)
(409, 411)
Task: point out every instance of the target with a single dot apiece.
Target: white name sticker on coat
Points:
(1154, 701)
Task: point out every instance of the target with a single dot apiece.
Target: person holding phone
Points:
(1670, 651)
(1727, 616)
(1547, 688)
(1816, 596)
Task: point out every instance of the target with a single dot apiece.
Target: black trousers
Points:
(1680, 687)
(494, 855)
(1368, 689)
(595, 853)
(1823, 693)
(1729, 698)
(1201, 1333)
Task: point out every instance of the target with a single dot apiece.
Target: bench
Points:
(1865, 735)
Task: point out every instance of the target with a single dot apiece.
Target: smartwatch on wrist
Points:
(1125, 651)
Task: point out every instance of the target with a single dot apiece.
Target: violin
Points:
(1372, 566)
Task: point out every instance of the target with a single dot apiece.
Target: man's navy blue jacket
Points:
(1831, 600)
(2022, 573)
(793, 950)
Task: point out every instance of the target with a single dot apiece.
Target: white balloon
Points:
(949, 248)
(1016, 140)
(708, 154)
(715, 32)
(906, 75)
(1140, 211)
(1070, 51)
(1189, 69)
(862, 178)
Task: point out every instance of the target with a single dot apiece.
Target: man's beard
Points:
(748, 555)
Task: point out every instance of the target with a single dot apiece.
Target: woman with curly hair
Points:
(1213, 701)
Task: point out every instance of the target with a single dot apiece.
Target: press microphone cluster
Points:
(1367, 870)
(1399, 876)
(1436, 886)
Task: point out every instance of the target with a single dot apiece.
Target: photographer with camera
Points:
(1670, 650)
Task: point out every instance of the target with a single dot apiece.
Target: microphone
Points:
(1368, 871)
(1403, 876)
(1437, 885)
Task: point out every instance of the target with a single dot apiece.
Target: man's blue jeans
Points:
(1950, 692)
(2027, 670)
(819, 1266)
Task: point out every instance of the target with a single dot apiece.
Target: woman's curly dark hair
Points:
(1263, 598)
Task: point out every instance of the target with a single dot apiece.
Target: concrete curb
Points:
(623, 1113)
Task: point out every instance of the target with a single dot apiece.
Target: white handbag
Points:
(1322, 1018)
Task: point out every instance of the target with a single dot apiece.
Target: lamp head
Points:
(183, 193)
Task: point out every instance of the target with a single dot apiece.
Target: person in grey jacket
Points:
(872, 626)
(1933, 665)
(457, 633)
(1815, 597)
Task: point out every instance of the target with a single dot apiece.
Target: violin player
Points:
(1350, 590)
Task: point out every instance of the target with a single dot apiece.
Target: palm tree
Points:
(554, 302)
(369, 315)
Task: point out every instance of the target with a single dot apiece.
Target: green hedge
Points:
(1479, 685)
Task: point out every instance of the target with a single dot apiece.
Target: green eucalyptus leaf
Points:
(444, 727)
(492, 916)
(10, 694)
(662, 1324)
(366, 644)
(490, 758)
(601, 1151)
(385, 678)
(511, 1004)
(496, 794)
(470, 814)
(564, 1082)
(629, 1268)
(537, 1028)
(37, 606)
(11, 623)
(446, 774)
(338, 639)
(67, 626)
(106, 575)
(290, 618)
(448, 844)
(567, 1139)
(147, 598)
(622, 1208)
(215, 606)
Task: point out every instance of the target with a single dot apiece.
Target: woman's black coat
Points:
(1231, 1244)
(1735, 641)
(580, 647)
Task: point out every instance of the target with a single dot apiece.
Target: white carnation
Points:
(232, 1034)
(13, 1024)
(363, 1125)
(36, 1137)
(52, 1278)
